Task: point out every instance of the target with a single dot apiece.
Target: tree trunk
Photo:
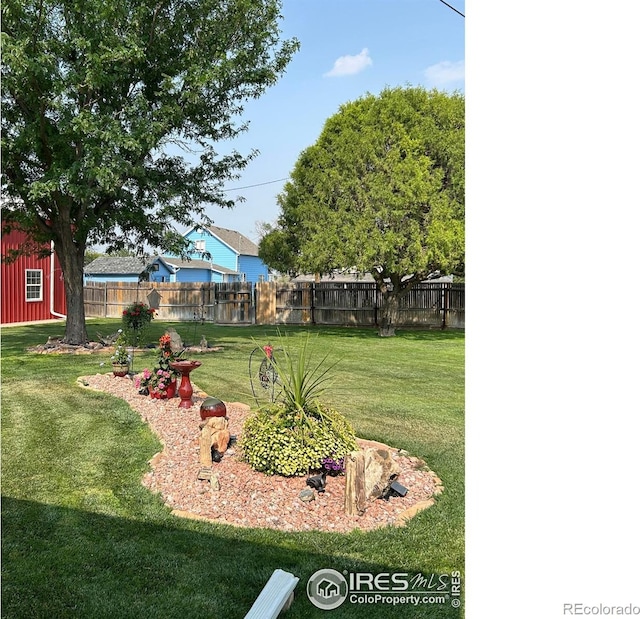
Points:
(389, 313)
(71, 259)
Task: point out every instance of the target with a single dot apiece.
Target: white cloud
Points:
(350, 65)
(445, 73)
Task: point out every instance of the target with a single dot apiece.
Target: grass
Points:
(81, 537)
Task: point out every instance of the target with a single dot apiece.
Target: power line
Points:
(256, 185)
(452, 8)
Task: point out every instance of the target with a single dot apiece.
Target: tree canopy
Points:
(103, 100)
(381, 191)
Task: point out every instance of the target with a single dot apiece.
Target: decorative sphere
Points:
(212, 407)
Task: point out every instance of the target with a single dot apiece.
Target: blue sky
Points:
(347, 49)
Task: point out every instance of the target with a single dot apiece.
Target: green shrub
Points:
(276, 440)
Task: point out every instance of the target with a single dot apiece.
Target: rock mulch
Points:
(55, 346)
(238, 495)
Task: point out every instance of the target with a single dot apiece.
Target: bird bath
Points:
(185, 390)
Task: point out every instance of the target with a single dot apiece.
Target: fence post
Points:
(266, 303)
(376, 303)
(214, 289)
(257, 302)
(445, 304)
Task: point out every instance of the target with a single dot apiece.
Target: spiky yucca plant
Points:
(302, 381)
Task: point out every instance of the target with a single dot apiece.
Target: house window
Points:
(200, 245)
(33, 284)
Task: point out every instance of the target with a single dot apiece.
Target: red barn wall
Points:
(15, 307)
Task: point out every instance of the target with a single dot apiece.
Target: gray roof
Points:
(187, 264)
(115, 265)
(235, 240)
(196, 264)
(218, 269)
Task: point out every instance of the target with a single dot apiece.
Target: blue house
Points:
(232, 257)
(216, 255)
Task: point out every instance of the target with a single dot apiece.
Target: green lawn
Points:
(81, 537)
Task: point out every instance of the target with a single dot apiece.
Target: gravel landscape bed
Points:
(245, 497)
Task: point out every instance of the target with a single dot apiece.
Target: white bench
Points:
(274, 597)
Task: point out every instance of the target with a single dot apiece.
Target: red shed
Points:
(32, 287)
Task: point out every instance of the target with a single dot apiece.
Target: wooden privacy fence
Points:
(222, 303)
(327, 303)
(357, 303)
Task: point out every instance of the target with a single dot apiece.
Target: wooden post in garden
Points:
(354, 492)
(205, 446)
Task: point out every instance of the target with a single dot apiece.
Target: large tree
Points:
(102, 101)
(382, 191)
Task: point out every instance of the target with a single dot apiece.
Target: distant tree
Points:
(90, 255)
(382, 191)
(100, 100)
(276, 249)
(261, 228)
